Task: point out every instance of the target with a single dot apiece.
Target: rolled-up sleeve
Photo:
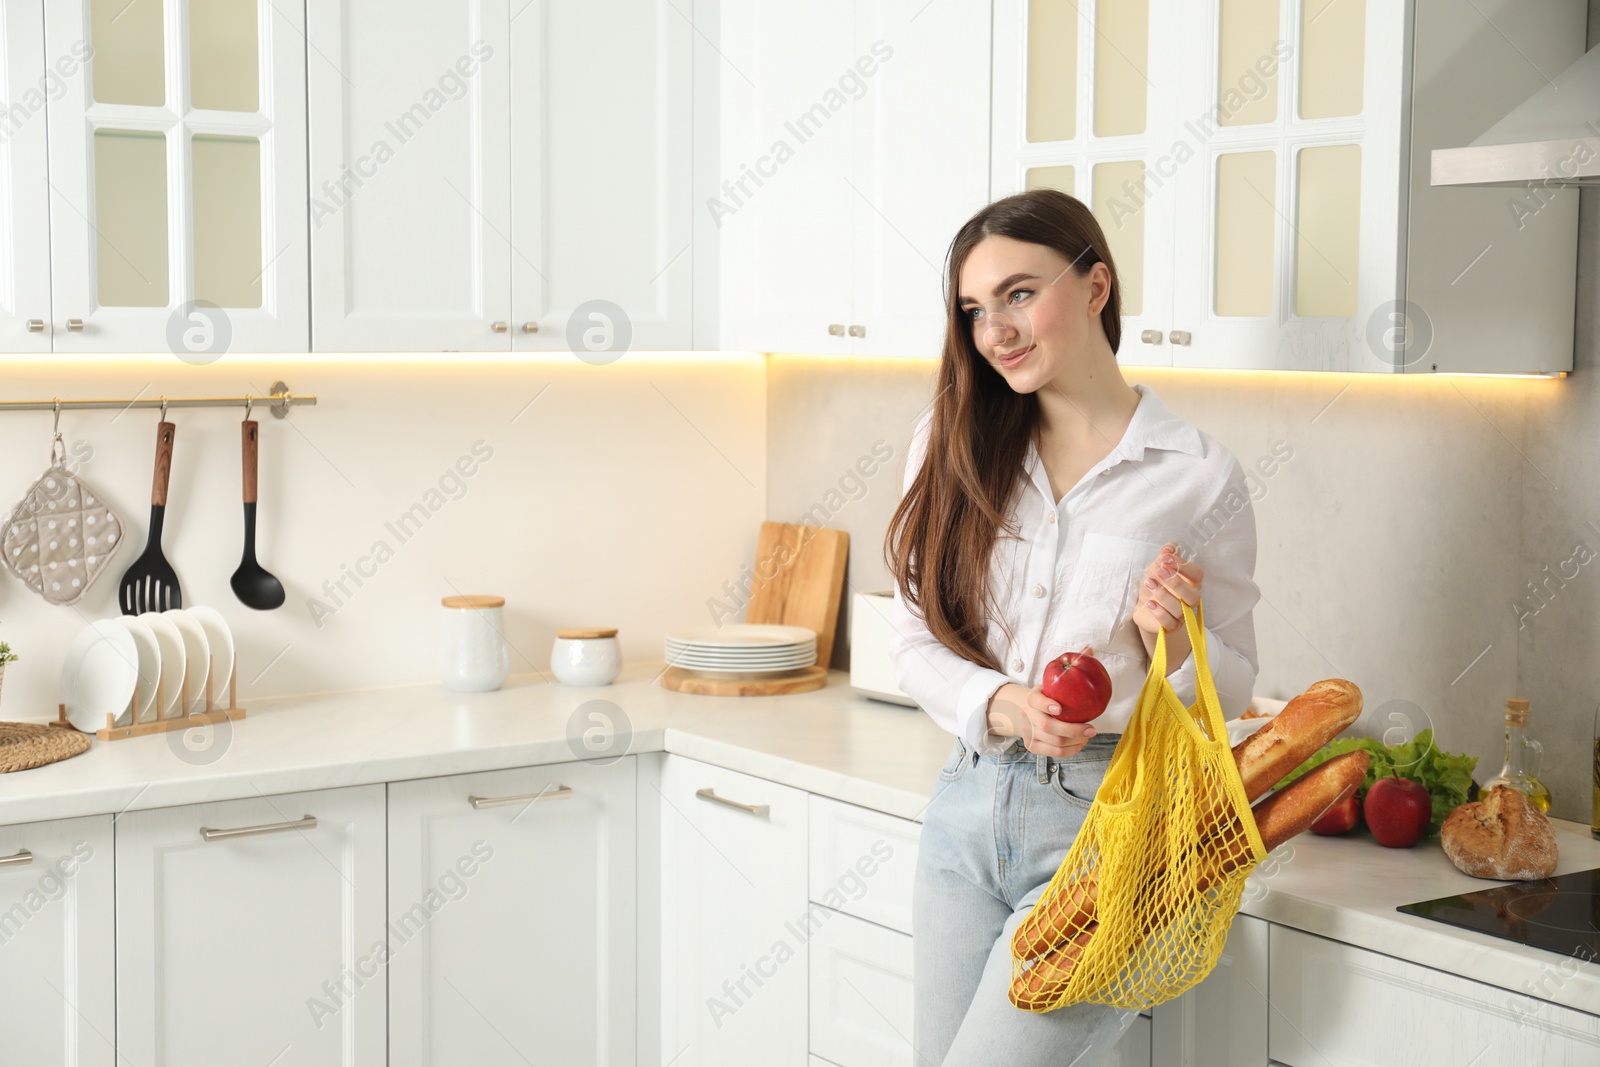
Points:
(1229, 595)
(953, 690)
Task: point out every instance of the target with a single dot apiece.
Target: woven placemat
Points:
(31, 744)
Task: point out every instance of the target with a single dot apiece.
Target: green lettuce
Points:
(1446, 777)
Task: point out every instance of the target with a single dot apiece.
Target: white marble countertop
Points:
(830, 742)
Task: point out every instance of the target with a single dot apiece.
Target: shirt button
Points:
(1016, 665)
(1037, 590)
(1050, 517)
(1105, 472)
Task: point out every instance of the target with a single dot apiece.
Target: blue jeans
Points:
(992, 838)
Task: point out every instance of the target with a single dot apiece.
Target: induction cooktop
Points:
(1561, 914)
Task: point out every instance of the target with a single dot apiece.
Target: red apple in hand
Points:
(1339, 819)
(1079, 683)
(1398, 811)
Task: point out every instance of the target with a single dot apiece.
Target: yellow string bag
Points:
(1140, 908)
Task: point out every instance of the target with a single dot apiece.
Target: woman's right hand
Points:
(1017, 711)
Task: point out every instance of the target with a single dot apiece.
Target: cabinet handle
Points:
(530, 327)
(36, 326)
(499, 326)
(74, 325)
(836, 329)
(858, 331)
(309, 822)
(1151, 337)
(557, 793)
(754, 809)
(21, 859)
(1179, 337)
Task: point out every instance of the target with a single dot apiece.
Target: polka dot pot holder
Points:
(60, 536)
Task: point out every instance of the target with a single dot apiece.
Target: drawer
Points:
(1222, 1021)
(863, 862)
(1335, 1005)
(861, 993)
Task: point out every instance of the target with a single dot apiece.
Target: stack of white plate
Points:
(743, 649)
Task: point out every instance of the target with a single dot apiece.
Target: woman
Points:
(1048, 506)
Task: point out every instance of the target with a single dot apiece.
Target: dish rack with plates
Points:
(190, 717)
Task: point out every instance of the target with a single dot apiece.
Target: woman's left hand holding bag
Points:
(1169, 582)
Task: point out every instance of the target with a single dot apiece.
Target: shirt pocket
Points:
(1103, 593)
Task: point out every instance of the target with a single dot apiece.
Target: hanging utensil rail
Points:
(280, 400)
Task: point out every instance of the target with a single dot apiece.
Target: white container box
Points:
(871, 669)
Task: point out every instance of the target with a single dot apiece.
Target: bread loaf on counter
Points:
(1500, 835)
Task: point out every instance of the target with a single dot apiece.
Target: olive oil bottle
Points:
(1594, 820)
(1522, 758)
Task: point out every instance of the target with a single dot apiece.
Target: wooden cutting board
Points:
(799, 580)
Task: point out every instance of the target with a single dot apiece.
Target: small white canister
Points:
(473, 655)
(586, 657)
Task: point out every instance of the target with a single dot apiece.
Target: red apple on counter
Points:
(1398, 811)
(1079, 683)
(1339, 819)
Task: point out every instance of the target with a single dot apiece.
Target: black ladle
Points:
(252, 584)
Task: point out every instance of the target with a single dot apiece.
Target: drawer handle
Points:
(836, 329)
(21, 859)
(36, 326)
(558, 793)
(754, 809)
(1151, 337)
(499, 326)
(1179, 337)
(307, 823)
(74, 325)
(858, 331)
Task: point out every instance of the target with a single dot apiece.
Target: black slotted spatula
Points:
(151, 584)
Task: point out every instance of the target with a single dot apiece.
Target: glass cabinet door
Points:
(1088, 112)
(177, 177)
(1288, 218)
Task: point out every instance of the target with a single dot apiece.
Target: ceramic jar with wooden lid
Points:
(586, 657)
(473, 654)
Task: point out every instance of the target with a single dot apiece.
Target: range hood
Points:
(1553, 137)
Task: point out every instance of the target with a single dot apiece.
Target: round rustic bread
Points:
(1501, 835)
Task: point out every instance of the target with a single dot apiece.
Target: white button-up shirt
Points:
(1076, 575)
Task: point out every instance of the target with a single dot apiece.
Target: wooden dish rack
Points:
(212, 714)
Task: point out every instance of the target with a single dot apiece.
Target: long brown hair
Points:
(944, 529)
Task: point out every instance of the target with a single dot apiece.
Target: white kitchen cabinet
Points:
(854, 144)
(1335, 1005)
(57, 956)
(1222, 1022)
(25, 319)
(734, 921)
(410, 176)
(863, 862)
(602, 136)
(1052, 128)
(511, 917)
(177, 177)
(1261, 172)
(861, 993)
(265, 943)
(488, 177)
